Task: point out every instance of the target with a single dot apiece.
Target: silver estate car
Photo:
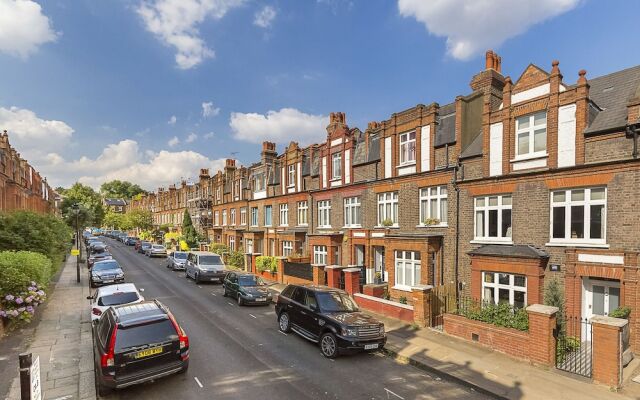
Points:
(204, 266)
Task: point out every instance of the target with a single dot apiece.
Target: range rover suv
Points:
(329, 317)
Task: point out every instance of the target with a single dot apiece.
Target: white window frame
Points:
(388, 208)
(243, 215)
(568, 203)
(232, 217)
(406, 261)
(291, 170)
(352, 215)
(303, 213)
(503, 237)
(249, 244)
(260, 184)
(440, 197)
(287, 248)
(232, 243)
(270, 214)
(218, 193)
(216, 218)
(530, 133)
(336, 166)
(255, 216)
(320, 255)
(284, 214)
(324, 214)
(407, 148)
(495, 286)
(224, 217)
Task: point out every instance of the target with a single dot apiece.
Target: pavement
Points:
(62, 340)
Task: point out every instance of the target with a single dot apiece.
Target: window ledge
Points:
(352, 227)
(577, 244)
(324, 227)
(336, 179)
(432, 226)
(489, 241)
(291, 186)
(394, 226)
(407, 164)
(284, 226)
(402, 288)
(303, 225)
(528, 157)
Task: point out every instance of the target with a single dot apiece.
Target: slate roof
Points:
(360, 153)
(514, 250)
(315, 167)
(611, 93)
(274, 175)
(306, 163)
(474, 148)
(115, 202)
(446, 128)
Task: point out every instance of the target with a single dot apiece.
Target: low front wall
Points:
(287, 279)
(268, 275)
(505, 340)
(387, 308)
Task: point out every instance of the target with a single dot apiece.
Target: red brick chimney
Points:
(268, 152)
(490, 81)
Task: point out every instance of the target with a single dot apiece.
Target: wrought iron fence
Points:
(574, 345)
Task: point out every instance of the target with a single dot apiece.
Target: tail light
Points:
(96, 311)
(182, 336)
(107, 359)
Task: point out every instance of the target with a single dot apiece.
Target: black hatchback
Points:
(246, 288)
(329, 317)
(137, 343)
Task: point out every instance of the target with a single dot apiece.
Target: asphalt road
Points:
(239, 353)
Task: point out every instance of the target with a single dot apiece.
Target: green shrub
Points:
(566, 345)
(236, 259)
(18, 269)
(403, 300)
(387, 222)
(266, 263)
(503, 314)
(621, 312)
(218, 248)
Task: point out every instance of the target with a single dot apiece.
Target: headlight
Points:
(248, 294)
(349, 331)
(382, 329)
(120, 275)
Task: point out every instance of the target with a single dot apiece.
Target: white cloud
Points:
(264, 17)
(208, 110)
(32, 135)
(191, 138)
(472, 26)
(279, 126)
(175, 23)
(23, 28)
(125, 161)
(209, 135)
(172, 120)
(174, 141)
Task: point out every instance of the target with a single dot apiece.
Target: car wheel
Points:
(284, 323)
(329, 345)
(224, 291)
(240, 300)
(186, 274)
(196, 278)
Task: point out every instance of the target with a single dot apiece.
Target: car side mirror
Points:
(89, 297)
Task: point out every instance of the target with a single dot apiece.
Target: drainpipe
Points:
(458, 167)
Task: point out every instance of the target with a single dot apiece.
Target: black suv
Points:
(329, 317)
(137, 343)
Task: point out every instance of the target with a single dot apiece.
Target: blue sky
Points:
(91, 94)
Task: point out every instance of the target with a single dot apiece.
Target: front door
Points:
(600, 297)
(379, 262)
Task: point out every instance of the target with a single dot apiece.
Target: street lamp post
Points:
(76, 210)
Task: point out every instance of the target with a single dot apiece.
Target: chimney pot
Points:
(489, 59)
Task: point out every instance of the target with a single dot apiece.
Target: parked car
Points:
(329, 317)
(246, 288)
(131, 240)
(105, 272)
(97, 257)
(144, 246)
(113, 295)
(177, 260)
(156, 250)
(204, 266)
(137, 343)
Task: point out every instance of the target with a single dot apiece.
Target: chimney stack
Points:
(204, 173)
(268, 152)
(490, 81)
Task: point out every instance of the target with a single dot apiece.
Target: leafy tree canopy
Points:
(118, 189)
(189, 231)
(90, 202)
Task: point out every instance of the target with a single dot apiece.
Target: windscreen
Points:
(335, 302)
(210, 260)
(103, 266)
(118, 298)
(158, 247)
(138, 335)
(250, 280)
(180, 256)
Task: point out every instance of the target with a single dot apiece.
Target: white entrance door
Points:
(600, 297)
(379, 262)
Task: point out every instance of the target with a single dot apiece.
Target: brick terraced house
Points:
(494, 193)
(21, 186)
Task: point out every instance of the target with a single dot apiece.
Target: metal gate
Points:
(574, 345)
(442, 300)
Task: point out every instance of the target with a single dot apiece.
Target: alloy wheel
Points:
(283, 322)
(328, 345)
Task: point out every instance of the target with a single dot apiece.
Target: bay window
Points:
(232, 216)
(324, 214)
(284, 215)
(254, 216)
(407, 268)
(408, 148)
(287, 248)
(388, 208)
(224, 217)
(320, 255)
(499, 288)
(434, 205)
(303, 208)
(268, 215)
(579, 215)
(243, 216)
(352, 212)
(531, 135)
(493, 218)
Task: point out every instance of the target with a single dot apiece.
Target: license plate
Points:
(148, 352)
(262, 299)
(371, 346)
(107, 281)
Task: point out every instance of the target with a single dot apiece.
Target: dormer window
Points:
(336, 166)
(408, 148)
(259, 182)
(291, 169)
(531, 135)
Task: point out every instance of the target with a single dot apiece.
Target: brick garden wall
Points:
(385, 307)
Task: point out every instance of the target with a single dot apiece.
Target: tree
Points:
(189, 231)
(140, 219)
(86, 197)
(120, 189)
(116, 220)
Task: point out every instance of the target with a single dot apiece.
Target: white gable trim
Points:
(531, 93)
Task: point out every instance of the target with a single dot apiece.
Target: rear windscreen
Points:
(118, 298)
(138, 335)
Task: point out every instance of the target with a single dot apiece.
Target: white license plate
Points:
(371, 346)
(107, 281)
(262, 299)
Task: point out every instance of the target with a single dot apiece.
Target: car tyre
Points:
(186, 275)
(196, 278)
(240, 300)
(284, 323)
(224, 291)
(329, 345)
